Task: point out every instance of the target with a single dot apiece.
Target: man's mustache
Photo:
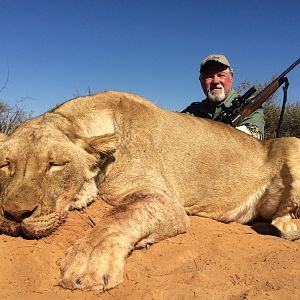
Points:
(218, 86)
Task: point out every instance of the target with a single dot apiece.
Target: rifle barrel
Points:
(265, 94)
(290, 68)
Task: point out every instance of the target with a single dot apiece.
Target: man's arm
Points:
(254, 124)
(198, 109)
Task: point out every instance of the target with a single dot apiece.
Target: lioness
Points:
(154, 167)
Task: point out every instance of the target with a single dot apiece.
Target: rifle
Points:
(244, 105)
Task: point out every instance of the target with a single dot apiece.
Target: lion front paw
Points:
(88, 267)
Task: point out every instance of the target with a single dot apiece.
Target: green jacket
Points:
(204, 109)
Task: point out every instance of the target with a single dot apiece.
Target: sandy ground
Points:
(211, 261)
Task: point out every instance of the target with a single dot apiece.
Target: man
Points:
(216, 78)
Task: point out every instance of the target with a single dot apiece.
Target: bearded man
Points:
(216, 78)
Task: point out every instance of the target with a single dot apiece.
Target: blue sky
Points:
(58, 49)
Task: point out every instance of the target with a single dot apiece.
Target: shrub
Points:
(11, 117)
(290, 125)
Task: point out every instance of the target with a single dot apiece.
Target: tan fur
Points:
(153, 166)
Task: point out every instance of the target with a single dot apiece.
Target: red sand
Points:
(211, 261)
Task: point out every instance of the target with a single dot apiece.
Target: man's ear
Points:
(106, 144)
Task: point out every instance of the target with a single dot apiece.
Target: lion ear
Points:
(102, 144)
(3, 137)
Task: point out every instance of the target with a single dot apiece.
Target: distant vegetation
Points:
(290, 125)
(11, 117)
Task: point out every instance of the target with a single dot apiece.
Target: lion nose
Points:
(17, 214)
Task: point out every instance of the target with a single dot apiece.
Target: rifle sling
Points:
(285, 90)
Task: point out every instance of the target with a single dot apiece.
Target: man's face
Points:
(216, 82)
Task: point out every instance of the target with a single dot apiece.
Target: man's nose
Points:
(216, 79)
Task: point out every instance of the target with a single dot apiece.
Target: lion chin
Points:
(34, 228)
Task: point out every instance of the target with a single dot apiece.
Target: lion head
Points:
(46, 170)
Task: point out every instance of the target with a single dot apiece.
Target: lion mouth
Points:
(33, 228)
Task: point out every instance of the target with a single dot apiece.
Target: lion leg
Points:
(97, 261)
(286, 211)
(284, 192)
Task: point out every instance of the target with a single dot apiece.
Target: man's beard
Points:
(216, 95)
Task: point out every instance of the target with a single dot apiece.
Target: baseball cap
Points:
(220, 58)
